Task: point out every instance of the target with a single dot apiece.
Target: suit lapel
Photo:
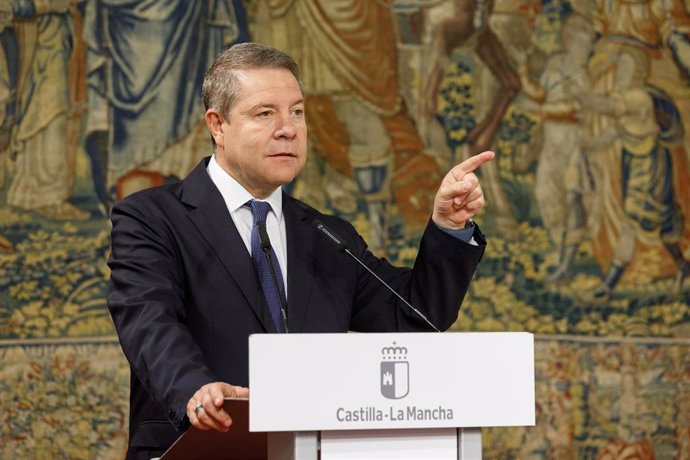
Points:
(300, 254)
(211, 217)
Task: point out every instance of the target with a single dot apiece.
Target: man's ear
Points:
(214, 122)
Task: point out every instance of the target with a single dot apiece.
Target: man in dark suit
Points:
(184, 293)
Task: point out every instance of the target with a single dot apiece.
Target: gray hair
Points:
(221, 86)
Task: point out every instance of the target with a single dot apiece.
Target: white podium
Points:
(399, 396)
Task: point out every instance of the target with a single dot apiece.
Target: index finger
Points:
(216, 392)
(476, 161)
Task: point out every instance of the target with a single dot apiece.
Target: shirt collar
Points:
(236, 196)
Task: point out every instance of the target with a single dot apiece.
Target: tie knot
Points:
(259, 209)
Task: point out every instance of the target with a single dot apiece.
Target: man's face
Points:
(263, 143)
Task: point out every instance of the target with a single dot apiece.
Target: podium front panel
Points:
(314, 382)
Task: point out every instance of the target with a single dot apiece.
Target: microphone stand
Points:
(342, 247)
(267, 248)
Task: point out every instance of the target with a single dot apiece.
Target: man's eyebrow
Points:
(261, 105)
(268, 105)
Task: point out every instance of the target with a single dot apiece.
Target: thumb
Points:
(241, 392)
(234, 391)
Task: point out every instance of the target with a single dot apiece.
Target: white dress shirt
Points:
(235, 197)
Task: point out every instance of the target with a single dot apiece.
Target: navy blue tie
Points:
(263, 269)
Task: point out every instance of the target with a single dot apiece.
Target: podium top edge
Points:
(373, 334)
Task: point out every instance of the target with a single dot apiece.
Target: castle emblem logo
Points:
(395, 372)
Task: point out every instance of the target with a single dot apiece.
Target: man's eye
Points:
(298, 112)
(265, 114)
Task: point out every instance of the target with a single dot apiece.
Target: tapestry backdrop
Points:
(586, 103)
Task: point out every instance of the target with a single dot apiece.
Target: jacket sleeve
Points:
(436, 285)
(146, 298)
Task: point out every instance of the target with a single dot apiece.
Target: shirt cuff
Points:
(464, 234)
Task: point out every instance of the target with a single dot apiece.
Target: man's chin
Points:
(287, 181)
(285, 176)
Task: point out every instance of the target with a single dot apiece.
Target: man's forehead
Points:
(268, 87)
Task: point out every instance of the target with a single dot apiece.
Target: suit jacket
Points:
(184, 295)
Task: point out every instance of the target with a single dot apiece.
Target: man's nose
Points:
(286, 127)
